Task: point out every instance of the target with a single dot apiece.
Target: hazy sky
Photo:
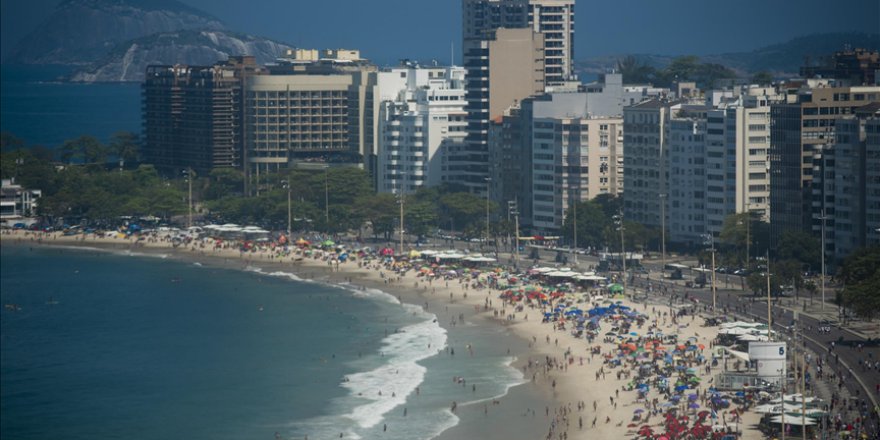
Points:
(387, 30)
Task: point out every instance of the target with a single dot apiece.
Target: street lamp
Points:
(618, 220)
(488, 182)
(663, 232)
(327, 196)
(285, 184)
(769, 306)
(574, 209)
(189, 175)
(515, 213)
(401, 221)
(709, 240)
(823, 218)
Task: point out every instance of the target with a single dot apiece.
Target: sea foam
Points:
(388, 386)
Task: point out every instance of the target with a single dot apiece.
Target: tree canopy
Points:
(860, 273)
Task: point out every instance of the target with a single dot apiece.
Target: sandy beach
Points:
(569, 391)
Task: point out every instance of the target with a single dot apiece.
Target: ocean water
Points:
(119, 345)
(41, 110)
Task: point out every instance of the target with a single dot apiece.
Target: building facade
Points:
(418, 125)
(737, 164)
(799, 129)
(512, 49)
(646, 160)
(500, 72)
(311, 111)
(17, 202)
(573, 160)
(686, 196)
(846, 185)
(193, 115)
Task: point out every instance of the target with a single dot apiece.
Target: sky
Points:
(388, 30)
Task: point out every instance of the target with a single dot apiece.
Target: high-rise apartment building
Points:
(799, 128)
(686, 176)
(646, 176)
(552, 18)
(192, 115)
(737, 165)
(573, 159)
(507, 45)
(846, 185)
(421, 117)
(500, 72)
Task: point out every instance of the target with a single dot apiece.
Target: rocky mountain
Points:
(80, 32)
(128, 61)
(781, 60)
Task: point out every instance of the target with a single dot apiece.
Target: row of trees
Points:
(342, 199)
(684, 68)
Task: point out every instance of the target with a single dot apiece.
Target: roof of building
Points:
(869, 109)
(657, 103)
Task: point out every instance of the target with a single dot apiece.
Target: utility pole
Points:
(663, 233)
(488, 181)
(401, 222)
(188, 172)
(574, 245)
(804, 394)
(327, 196)
(618, 219)
(823, 218)
(510, 204)
(286, 184)
(711, 241)
(516, 221)
(748, 236)
(769, 310)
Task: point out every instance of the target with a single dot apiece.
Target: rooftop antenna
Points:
(452, 53)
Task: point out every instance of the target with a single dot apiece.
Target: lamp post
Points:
(188, 172)
(516, 225)
(662, 232)
(618, 220)
(769, 306)
(488, 182)
(823, 218)
(285, 184)
(401, 222)
(710, 240)
(327, 196)
(575, 213)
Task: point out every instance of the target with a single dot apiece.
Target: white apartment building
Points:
(737, 147)
(573, 159)
(17, 202)
(421, 116)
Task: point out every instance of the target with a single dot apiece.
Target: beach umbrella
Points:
(693, 397)
(614, 288)
(681, 388)
(328, 243)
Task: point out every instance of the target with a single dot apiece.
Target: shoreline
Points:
(552, 402)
